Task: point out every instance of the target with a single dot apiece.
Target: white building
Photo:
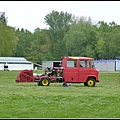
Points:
(15, 63)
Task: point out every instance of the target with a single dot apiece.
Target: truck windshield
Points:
(92, 63)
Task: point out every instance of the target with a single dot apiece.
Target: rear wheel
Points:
(45, 82)
(91, 82)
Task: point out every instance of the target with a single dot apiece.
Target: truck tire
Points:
(91, 82)
(45, 82)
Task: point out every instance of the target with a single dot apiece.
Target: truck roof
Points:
(76, 57)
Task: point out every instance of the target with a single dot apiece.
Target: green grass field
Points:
(28, 100)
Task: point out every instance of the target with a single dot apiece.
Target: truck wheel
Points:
(45, 82)
(91, 82)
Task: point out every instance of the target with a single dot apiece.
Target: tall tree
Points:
(110, 35)
(84, 34)
(8, 38)
(39, 49)
(59, 23)
(24, 42)
(3, 18)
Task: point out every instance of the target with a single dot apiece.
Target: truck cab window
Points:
(92, 63)
(71, 63)
(84, 63)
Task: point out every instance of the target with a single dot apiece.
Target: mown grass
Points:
(28, 100)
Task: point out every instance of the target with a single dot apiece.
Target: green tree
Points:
(75, 43)
(3, 18)
(84, 34)
(39, 49)
(100, 48)
(90, 52)
(110, 34)
(24, 42)
(8, 38)
(59, 23)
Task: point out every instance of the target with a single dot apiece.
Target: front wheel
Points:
(91, 82)
(45, 82)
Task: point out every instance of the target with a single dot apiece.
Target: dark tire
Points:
(85, 84)
(91, 82)
(45, 82)
(64, 84)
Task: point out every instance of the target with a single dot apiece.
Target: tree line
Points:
(67, 35)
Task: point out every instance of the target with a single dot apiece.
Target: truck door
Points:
(71, 71)
(84, 70)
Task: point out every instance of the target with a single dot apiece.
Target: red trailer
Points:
(72, 70)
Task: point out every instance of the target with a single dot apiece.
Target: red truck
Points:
(71, 70)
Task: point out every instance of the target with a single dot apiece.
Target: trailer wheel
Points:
(91, 82)
(45, 82)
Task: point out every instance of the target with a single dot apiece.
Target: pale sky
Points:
(30, 14)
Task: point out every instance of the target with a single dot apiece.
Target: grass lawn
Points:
(28, 100)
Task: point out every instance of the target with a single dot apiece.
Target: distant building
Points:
(15, 63)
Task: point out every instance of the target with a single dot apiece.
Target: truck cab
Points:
(80, 70)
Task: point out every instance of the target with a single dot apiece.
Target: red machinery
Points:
(72, 70)
(25, 76)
